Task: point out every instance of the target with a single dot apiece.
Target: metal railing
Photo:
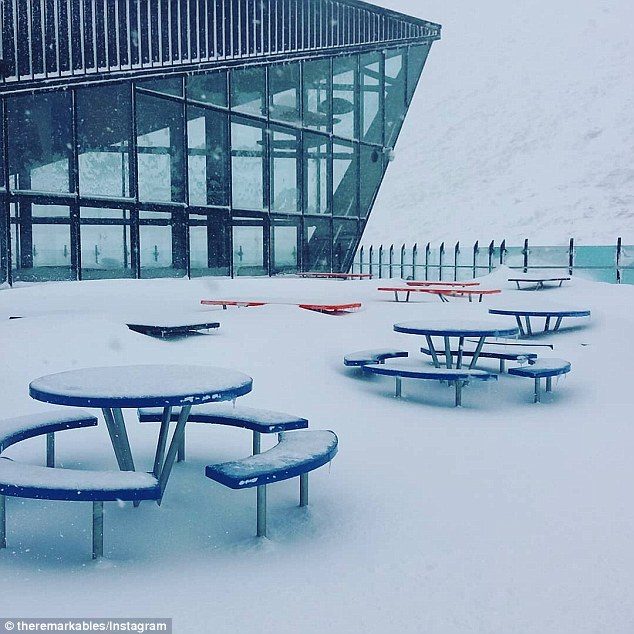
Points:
(46, 39)
(610, 263)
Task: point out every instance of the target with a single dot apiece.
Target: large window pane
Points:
(40, 141)
(371, 102)
(394, 94)
(208, 162)
(417, 57)
(104, 132)
(105, 248)
(317, 94)
(344, 106)
(316, 154)
(209, 245)
(247, 90)
(247, 165)
(248, 250)
(285, 234)
(371, 174)
(284, 177)
(345, 179)
(284, 92)
(160, 141)
(208, 88)
(158, 244)
(317, 244)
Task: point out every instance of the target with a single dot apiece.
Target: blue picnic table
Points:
(548, 315)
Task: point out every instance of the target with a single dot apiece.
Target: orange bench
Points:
(230, 302)
(441, 293)
(337, 276)
(331, 309)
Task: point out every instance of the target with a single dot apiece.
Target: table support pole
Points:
(97, 530)
(162, 441)
(458, 393)
(303, 489)
(177, 439)
(448, 356)
(257, 444)
(529, 330)
(50, 450)
(114, 438)
(538, 390)
(181, 451)
(558, 323)
(547, 324)
(261, 511)
(520, 325)
(3, 521)
(126, 452)
(432, 350)
(460, 352)
(476, 353)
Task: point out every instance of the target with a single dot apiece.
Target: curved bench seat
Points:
(508, 354)
(259, 421)
(18, 479)
(296, 454)
(543, 369)
(367, 357)
(453, 375)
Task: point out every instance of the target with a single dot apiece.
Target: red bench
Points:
(449, 284)
(331, 309)
(441, 293)
(337, 276)
(230, 302)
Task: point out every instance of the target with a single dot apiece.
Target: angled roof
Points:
(45, 42)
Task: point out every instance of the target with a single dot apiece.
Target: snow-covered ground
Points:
(501, 516)
(521, 127)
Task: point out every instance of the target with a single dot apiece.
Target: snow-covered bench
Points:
(164, 329)
(259, 421)
(296, 454)
(459, 377)
(367, 357)
(48, 483)
(544, 368)
(510, 353)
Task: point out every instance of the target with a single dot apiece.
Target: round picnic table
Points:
(457, 329)
(134, 386)
(548, 315)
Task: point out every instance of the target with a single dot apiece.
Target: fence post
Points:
(380, 261)
(414, 260)
(427, 250)
(370, 257)
(525, 254)
(491, 254)
(361, 259)
(571, 256)
(503, 252)
(456, 256)
(441, 257)
(391, 259)
(619, 253)
(476, 250)
(403, 262)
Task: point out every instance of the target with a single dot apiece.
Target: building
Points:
(155, 138)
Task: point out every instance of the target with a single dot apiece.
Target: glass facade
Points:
(248, 170)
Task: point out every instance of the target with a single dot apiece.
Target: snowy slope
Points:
(522, 126)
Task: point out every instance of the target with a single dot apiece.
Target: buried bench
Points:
(296, 454)
(459, 377)
(544, 368)
(48, 483)
(259, 421)
(368, 357)
(509, 354)
(166, 329)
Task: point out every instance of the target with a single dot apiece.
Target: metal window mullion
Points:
(117, 34)
(198, 56)
(106, 39)
(150, 39)
(169, 33)
(128, 33)
(43, 20)
(188, 31)
(29, 31)
(94, 36)
(179, 36)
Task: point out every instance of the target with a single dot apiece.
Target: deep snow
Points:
(502, 516)
(521, 127)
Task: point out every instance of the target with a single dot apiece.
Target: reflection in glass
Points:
(105, 248)
(248, 250)
(160, 141)
(371, 115)
(394, 94)
(284, 245)
(316, 173)
(344, 106)
(247, 90)
(40, 141)
(284, 92)
(247, 165)
(284, 177)
(371, 175)
(345, 179)
(208, 88)
(208, 245)
(317, 244)
(156, 245)
(344, 243)
(208, 159)
(317, 94)
(104, 134)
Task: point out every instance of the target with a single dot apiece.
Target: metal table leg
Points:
(177, 438)
(547, 324)
(476, 353)
(126, 452)
(114, 437)
(432, 350)
(520, 325)
(448, 355)
(162, 441)
(529, 330)
(558, 323)
(460, 351)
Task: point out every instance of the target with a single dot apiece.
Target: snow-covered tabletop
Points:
(459, 328)
(141, 386)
